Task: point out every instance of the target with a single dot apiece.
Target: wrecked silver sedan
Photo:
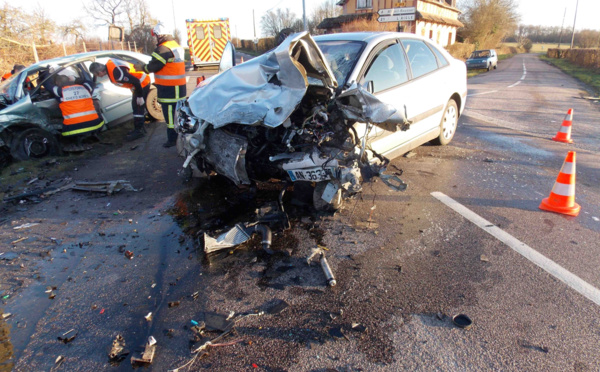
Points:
(330, 110)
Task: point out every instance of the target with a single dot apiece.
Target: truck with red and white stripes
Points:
(207, 40)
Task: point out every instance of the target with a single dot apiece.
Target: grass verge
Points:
(588, 76)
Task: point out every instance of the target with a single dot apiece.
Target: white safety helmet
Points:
(159, 29)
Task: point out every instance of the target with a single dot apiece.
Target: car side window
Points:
(388, 69)
(420, 57)
(442, 61)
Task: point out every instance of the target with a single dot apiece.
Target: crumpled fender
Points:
(266, 89)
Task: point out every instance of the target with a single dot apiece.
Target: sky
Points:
(239, 12)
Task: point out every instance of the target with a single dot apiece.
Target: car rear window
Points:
(442, 61)
(480, 54)
(342, 56)
(420, 57)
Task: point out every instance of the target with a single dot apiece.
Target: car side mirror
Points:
(228, 57)
(370, 86)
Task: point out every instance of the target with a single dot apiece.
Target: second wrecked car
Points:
(330, 110)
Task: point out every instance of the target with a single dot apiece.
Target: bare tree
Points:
(142, 38)
(327, 9)
(487, 22)
(11, 21)
(108, 12)
(137, 13)
(75, 28)
(41, 27)
(587, 38)
(274, 21)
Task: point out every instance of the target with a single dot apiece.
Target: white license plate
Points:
(312, 174)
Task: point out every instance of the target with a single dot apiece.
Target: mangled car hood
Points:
(265, 90)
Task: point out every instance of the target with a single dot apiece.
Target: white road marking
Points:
(554, 269)
(478, 94)
(510, 86)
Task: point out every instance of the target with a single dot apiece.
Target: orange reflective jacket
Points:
(173, 74)
(77, 105)
(114, 63)
(6, 76)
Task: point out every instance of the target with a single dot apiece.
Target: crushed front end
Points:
(281, 116)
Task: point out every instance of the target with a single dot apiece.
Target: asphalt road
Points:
(405, 262)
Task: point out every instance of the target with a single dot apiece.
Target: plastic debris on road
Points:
(148, 354)
(25, 226)
(118, 353)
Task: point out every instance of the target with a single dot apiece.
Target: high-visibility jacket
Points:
(6, 76)
(114, 63)
(78, 110)
(173, 73)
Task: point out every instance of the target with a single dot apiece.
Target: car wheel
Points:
(495, 67)
(33, 143)
(322, 205)
(448, 124)
(154, 108)
(5, 157)
(489, 67)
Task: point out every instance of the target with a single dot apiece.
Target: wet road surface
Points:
(405, 263)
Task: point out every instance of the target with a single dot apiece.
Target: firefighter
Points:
(16, 69)
(168, 67)
(80, 116)
(123, 74)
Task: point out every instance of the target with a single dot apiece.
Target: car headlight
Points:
(185, 121)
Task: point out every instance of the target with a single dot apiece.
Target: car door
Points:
(115, 101)
(413, 93)
(429, 87)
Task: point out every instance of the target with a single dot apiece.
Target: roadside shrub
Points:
(581, 57)
(460, 50)
(527, 45)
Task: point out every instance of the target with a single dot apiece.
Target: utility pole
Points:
(561, 28)
(304, 14)
(174, 23)
(255, 41)
(574, 20)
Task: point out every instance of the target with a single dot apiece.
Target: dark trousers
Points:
(139, 112)
(168, 110)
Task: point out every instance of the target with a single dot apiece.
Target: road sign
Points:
(397, 11)
(397, 18)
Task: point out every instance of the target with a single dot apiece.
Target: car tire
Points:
(489, 67)
(153, 106)
(33, 143)
(322, 205)
(495, 67)
(448, 124)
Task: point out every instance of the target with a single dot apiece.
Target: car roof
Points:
(367, 37)
(83, 57)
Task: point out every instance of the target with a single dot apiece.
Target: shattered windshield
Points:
(342, 56)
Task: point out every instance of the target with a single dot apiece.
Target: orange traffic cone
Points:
(562, 196)
(564, 133)
(200, 79)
